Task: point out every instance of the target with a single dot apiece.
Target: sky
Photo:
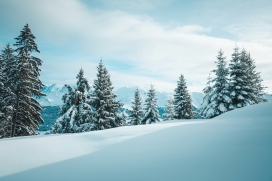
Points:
(141, 42)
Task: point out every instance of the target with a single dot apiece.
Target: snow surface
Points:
(235, 146)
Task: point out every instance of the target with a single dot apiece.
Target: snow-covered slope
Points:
(234, 146)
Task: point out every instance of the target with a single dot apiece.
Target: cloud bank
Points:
(147, 51)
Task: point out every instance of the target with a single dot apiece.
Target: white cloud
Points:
(159, 53)
(256, 31)
(139, 5)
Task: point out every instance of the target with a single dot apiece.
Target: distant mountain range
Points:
(124, 94)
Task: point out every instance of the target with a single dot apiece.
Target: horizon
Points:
(141, 42)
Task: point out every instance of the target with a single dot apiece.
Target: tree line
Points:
(87, 108)
(97, 109)
(235, 86)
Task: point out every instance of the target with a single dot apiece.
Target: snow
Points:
(235, 146)
(63, 146)
(54, 95)
(222, 108)
(197, 98)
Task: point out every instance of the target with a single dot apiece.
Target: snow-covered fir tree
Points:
(136, 113)
(151, 108)
(104, 101)
(169, 109)
(124, 118)
(244, 84)
(183, 101)
(7, 97)
(6, 109)
(206, 109)
(26, 85)
(68, 100)
(220, 97)
(7, 62)
(254, 87)
(76, 115)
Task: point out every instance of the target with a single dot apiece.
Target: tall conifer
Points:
(104, 101)
(24, 75)
(206, 110)
(136, 113)
(220, 97)
(151, 108)
(183, 101)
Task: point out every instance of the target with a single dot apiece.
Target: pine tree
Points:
(8, 63)
(121, 119)
(220, 97)
(151, 108)
(7, 97)
(254, 86)
(170, 110)
(205, 109)
(68, 100)
(136, 113)
(104, 101)
(6, 109)
(237, 80)
(76, 115)
(245, 84)
(183, 101)
(26, 85)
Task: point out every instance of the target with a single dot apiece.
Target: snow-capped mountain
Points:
(54, 95)
(124, 94)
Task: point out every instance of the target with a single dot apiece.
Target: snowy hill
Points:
(124, 94)
(234, 146)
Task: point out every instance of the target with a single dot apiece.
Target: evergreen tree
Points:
(170, 110)
(254, 86)
(6, 95)
(104, 101)
(121, 119)
(245, 85)
(238, 80)
(76, 115)
(6, 109)
(183, 101)
(206, 109)
(68, 100)
(151, 108)
(220, 97)
(136, 113)
(26, 85)
(8, 63)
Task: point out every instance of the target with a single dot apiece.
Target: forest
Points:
(232, 85)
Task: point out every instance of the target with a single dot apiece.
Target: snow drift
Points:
(234, 146)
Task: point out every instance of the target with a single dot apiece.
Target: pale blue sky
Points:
(141, 41)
